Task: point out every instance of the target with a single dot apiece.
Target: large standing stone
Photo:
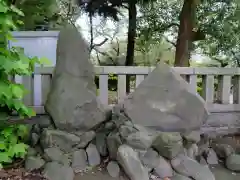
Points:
(166, 102)
(72, 100)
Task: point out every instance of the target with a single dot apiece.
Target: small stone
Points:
(79, 161)
(56, 171)
(101, 144)
(150, 159)
(113, 142)
(44, 122)
(164, 168)
(223, 150)
(34, 139)
(33, 163)
(125, 131)
(212, 158)
(180, 177)
(192, 151)
(55, 154)
(64, 140)
(113, 169)
(168, 144)
(31, 152)
(86, 138)
(191, 168)
(192, 137)
(93, 155)
(233, 162)
(203, 161)
(140, 140)
(131, 163)
(109, 126)
(36, 129)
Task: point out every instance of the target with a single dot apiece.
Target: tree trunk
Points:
(132, 19)
(185, 34)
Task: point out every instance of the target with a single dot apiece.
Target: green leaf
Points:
(16, 10)
(3, 7)
(17, 91)
(2, 145)
(20, 150)
(8, 131)
(4, 157)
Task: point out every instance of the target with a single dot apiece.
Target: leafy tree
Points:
(215, 29)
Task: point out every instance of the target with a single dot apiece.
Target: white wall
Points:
(40, 44)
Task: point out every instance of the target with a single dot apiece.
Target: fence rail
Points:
(217, 85)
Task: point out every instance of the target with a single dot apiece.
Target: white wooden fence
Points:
(227, 80)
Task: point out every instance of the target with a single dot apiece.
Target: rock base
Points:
(126, 148)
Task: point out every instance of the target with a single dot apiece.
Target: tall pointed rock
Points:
(72, 102)
(165, 101)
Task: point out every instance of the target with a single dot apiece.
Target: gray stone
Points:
(55, 138)
(180, 177)
(192, 136)
(150, 159)
(223, 150)
(56, 171)
(55, 154)
(233, 162)
(191, 168)
(203, 161)
(192, 151)
(113, 143)
(125, 131)
(101, 144)
(113, 169)
(79, 161)
(140, 140)
(93, 155)
(164, 168)
(34, 139)
(166, 102)
(31, 152)
(131, 163)
(212, 158)
(33, 163)
(86, 138)
(168, 144)
(72, 101)
(44, 122)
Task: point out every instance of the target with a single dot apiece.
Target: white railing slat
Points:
(193, 82)
(236, 90)
(103, 89)
(45, 87)
(224, 89)
(121, 87)
(27, 81)
(139, 79)
(208, 88)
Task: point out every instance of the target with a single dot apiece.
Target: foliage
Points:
(39, 14)
(218, 20)
(12, 62)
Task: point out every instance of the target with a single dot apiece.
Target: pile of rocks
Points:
(153, 133)
(130, 149)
